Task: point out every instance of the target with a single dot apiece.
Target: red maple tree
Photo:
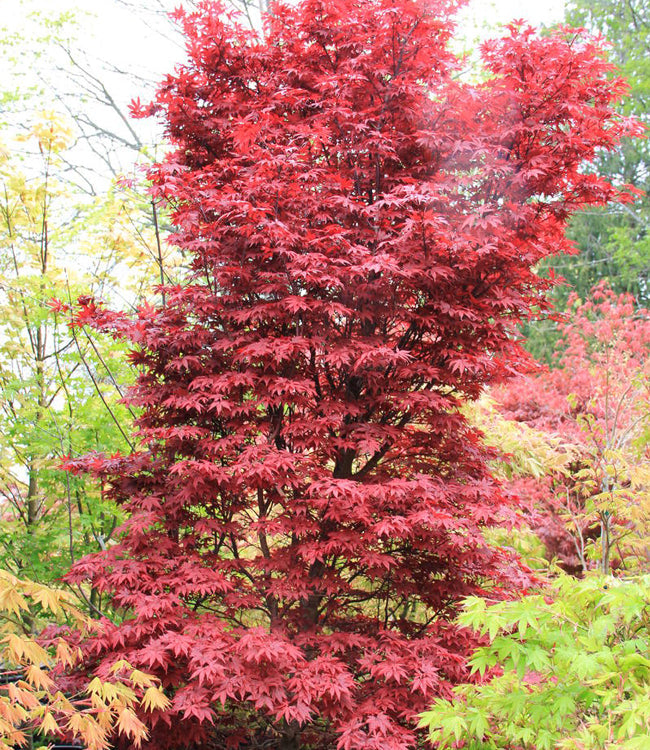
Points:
(307, 503)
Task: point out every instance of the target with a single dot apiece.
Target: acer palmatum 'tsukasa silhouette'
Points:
(306, 502)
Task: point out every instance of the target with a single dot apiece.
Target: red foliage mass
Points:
(307, 504)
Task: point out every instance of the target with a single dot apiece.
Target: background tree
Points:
(52, 59)
(612, 242)
(58, 391)
(307, 500)
(43, 378)
(594, 405)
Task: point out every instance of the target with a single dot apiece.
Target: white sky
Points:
(119, 37)
(115, 27)
(494, 12)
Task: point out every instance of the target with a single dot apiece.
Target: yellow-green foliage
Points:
(36, 704)
(524, 450)
(567, 669)
(60, 390)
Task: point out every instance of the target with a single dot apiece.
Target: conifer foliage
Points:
(306, 502)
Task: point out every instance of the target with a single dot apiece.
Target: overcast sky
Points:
(494, 12)
(118, 36)
(114, 24)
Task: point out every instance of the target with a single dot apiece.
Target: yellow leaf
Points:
(49, 725)
(77, 723)
(61, 702)
(142, 679)
(64, 654)
(129, 725)
(38, 678)
(95, 737)
(12, 600)
(11, 714)
(120, 664)
(22, 697)
(95, 686)
(154, 699)
(21, 650)
(47, 598)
